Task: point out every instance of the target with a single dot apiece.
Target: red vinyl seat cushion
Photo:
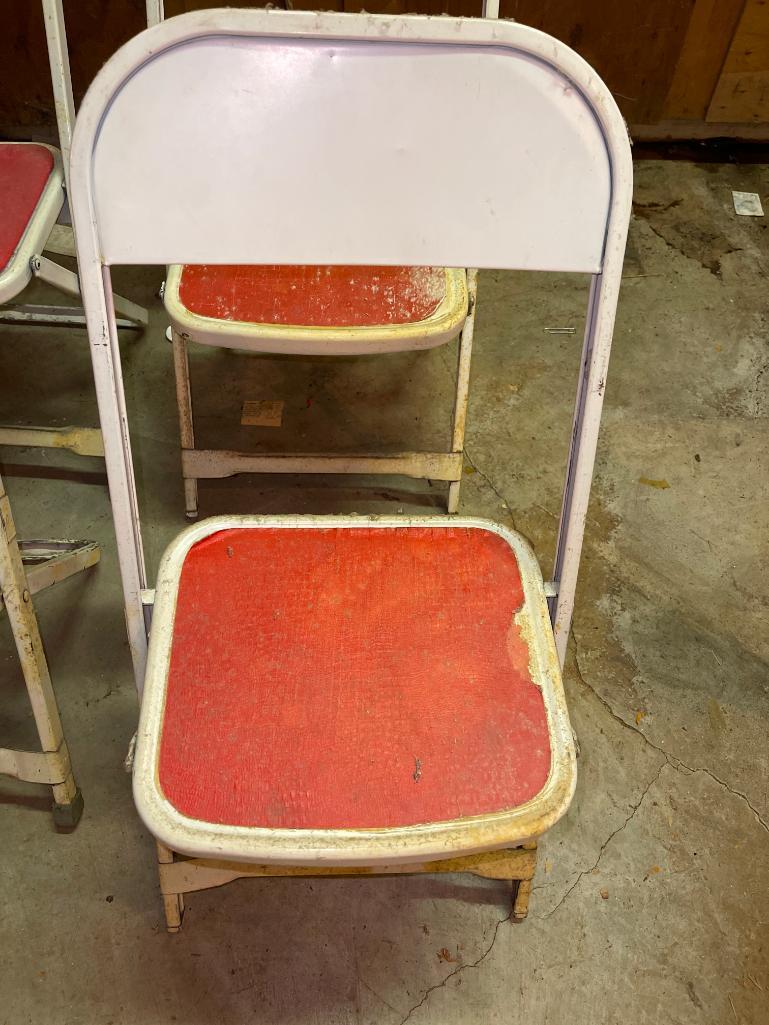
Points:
(24, 172)
(313, 296)
(363, 677)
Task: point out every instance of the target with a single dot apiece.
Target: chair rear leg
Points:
(521, 900)
(464, 355)
(172, 906)
(173, 903)
(184, 405)
(522, 891)
(67, 804)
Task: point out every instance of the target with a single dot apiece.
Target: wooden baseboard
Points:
(685, 131)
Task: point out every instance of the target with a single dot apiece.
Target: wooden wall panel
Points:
(98, 28)
(742, 93)
(661, 58)
(456, 8)
(708, 38)
(633, 44)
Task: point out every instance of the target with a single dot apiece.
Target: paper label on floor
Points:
(262, 413)
(748, 204)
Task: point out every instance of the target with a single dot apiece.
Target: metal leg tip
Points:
(521, 894)
(67, 816)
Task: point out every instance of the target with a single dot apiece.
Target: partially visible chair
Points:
(33, 181)
(26, 568)
(329, 695)
(31, 199)
(319, 311)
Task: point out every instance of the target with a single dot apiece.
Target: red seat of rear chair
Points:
(24, 172)
(313, 296)
(350, 678)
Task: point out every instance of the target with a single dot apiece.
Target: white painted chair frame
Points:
(101, 246)
(567, 209)
(155, 12)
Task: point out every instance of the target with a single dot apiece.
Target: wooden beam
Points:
(742, 93)
(706, 44)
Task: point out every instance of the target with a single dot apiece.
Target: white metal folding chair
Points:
(328, 695)
(318, 311)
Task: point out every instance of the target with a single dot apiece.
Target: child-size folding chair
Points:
(318, 311)
(333, 694)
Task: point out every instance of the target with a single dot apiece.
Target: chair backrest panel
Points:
(249, 136)
(480, 154)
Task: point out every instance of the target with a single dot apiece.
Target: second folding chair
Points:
(319, 311)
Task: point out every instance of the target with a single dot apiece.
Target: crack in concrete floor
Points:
(485, 477)
(459, 969)
(605, 844)
(673, 760)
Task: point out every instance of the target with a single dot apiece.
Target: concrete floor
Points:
(650, 901)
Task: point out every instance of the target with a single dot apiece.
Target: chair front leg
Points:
(523, 889)
(464, 355)
(521, 900)
(184, 405)
(173, 903)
